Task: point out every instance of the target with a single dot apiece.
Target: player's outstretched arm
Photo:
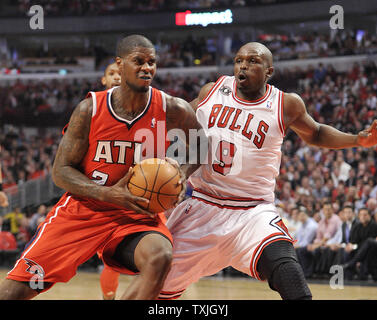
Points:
(71, 151)
(322, 135)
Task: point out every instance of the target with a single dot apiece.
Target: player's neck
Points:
(129, 103)
(251, 95)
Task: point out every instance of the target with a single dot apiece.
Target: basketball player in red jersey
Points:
(231, 219)
(109, 278)
(105, 137)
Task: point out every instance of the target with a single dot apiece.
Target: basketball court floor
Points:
(86, 286)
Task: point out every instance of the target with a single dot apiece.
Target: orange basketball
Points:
(156, 180)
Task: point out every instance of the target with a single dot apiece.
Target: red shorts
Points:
(72, 233)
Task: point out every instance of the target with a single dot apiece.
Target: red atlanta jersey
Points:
(115, 143)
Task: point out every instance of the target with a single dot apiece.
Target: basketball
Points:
(156, 180)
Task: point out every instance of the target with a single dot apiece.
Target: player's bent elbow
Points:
(56, 177)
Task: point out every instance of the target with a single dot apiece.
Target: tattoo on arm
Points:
(72, 149)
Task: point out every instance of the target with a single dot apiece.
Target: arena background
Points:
(47, 65)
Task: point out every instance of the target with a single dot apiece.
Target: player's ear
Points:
(103, 81)
(269, 73)
(119, 62)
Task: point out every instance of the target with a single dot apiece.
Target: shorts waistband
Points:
(235, 203)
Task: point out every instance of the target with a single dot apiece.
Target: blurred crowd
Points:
(103, 7)
(25, 157)
(218, 49)
(23, 223)
(317, 188)
(40, 103)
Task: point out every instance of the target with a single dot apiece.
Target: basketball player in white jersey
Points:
(231, 219)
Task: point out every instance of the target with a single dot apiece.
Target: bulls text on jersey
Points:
(228, 117)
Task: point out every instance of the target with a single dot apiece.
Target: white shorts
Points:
(208, 238)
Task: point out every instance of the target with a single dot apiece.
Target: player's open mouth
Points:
(242, 77)
(146, 78)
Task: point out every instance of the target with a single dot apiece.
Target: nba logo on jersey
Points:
(269, 104)
(153, 122)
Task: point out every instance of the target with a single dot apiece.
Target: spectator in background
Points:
(37, 218)
(320, 73)
(23, 236)
(327, 227)
(291, 220)
(333, 253)
(361, 203)
(358, 248)
(372, 206)
(343, 166)
(317, 190)
(15, 219)
(306, 233)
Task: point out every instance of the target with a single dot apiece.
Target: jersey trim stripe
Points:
(209, 94)
(94, 98)
(227, 203)
(227, 198)
(31, 245)
(163, 97)
(282, 112)
(279, 112)
(251, 103)
(129, 123)
(166, 295)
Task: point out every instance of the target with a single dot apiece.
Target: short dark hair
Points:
(366, 209)
(327, 202)
(349, 206)
(126, 45)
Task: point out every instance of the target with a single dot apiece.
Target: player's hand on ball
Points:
(181, 182)
(119, 194)
(368, 137)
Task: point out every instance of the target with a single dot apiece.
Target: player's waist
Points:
(226, 201)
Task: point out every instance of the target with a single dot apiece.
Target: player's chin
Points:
(144, 85)
(242, 83)
(142, 88)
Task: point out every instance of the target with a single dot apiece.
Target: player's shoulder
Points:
(82, 114)
(293, 107)
(175, 104)
(85, 106)
(292, 97)
(207, 88)
(293, 102)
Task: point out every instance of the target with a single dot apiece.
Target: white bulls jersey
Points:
(245, 146)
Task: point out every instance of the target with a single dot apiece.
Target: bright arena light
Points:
(188, 18)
